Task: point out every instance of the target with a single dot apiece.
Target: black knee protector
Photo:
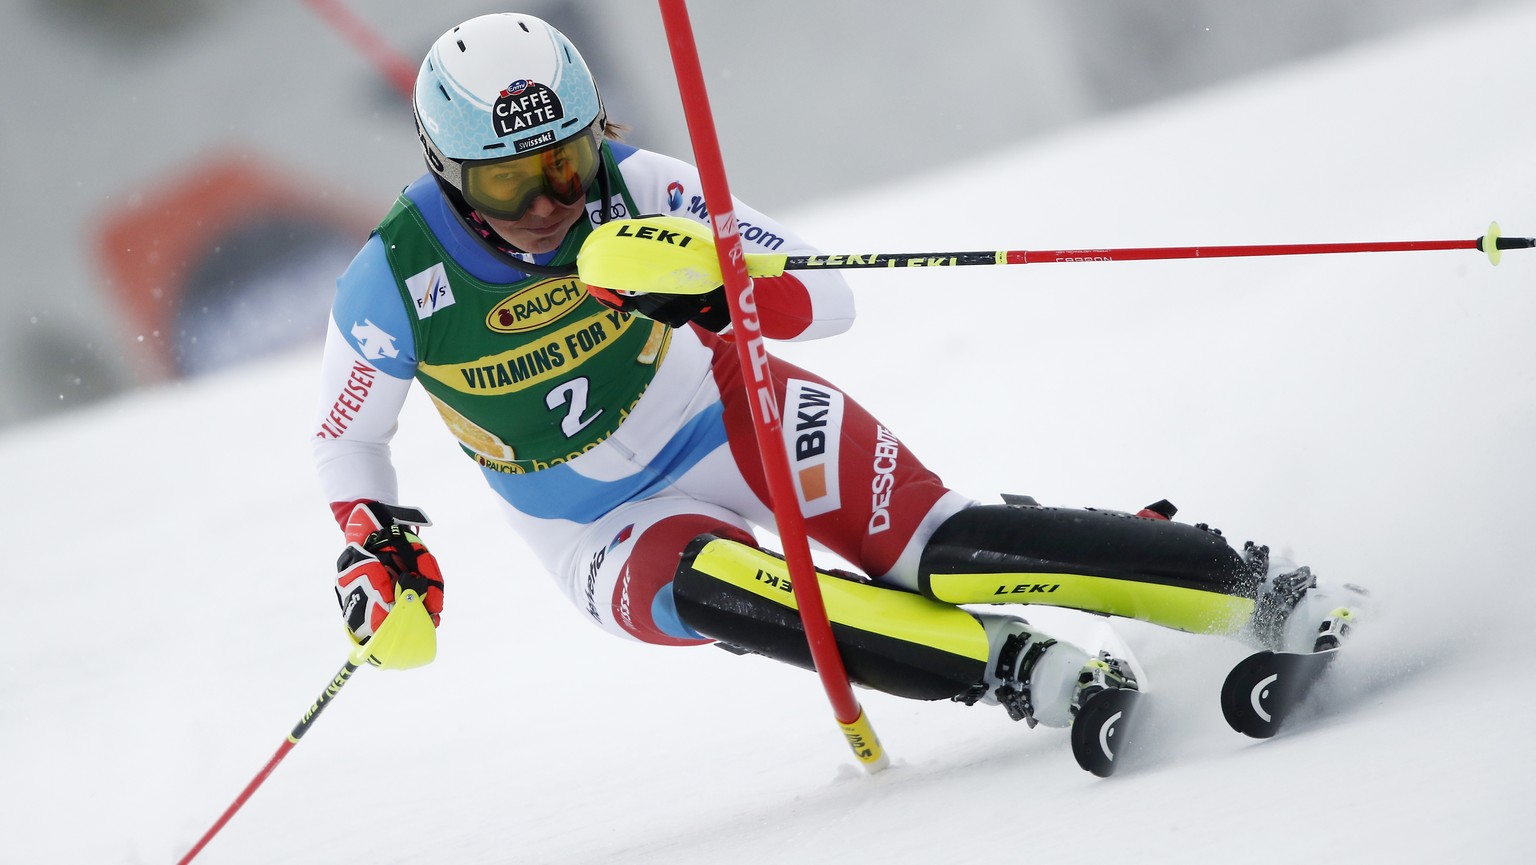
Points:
(1174, 574)
(890, 640)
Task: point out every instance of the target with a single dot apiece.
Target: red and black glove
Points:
(708, 311)
(383, 551)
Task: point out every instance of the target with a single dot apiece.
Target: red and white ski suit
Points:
(611, 524)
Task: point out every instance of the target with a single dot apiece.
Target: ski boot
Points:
(1292, 612)
(1040, 680)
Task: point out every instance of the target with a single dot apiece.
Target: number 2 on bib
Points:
(574, 394)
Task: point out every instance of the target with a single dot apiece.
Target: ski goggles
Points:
(506, 188)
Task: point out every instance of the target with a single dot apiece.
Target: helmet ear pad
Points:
(447, 170)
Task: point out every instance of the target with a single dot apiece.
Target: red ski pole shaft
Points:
(1174, 252)
(753, 357)
(1492, 244)
(407, 639)
(326, 696)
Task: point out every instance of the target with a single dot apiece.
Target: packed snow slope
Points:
(170, 616)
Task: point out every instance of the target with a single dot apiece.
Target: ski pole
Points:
(674, 254)
(406, 639)
(1491, 244)
(726, 255)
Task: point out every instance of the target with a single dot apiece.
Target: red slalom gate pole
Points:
(393, 65)
(752, 354)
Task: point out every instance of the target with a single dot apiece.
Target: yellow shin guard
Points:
(893, 641)
(1170, 574)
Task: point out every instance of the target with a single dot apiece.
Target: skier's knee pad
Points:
(1171, 574)
(890, 640)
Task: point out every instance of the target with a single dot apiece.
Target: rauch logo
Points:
(537, 305)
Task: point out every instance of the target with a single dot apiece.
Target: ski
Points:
(1102, 729)
(1264, 688)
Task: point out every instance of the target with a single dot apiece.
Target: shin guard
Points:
(1170, 574)
(893, 641)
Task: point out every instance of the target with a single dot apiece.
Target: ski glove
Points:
(383, 551)
(708, 311)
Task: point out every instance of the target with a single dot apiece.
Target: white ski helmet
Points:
(507, 110)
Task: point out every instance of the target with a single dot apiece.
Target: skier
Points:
(613, 428)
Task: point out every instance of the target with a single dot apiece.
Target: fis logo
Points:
(813, 432)
(430, 291)
(674, 195)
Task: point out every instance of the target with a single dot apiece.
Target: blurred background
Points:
(184, 179)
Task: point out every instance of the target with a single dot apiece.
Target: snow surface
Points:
(170, 613)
